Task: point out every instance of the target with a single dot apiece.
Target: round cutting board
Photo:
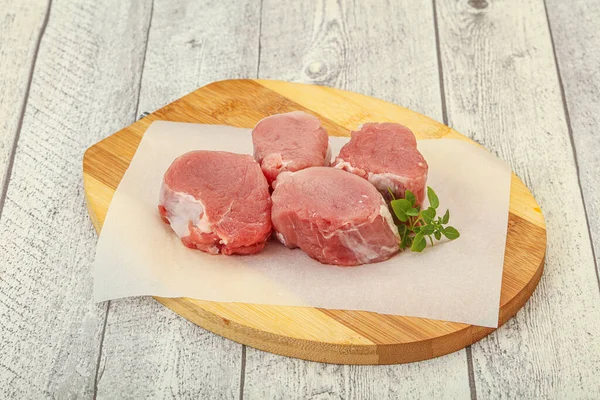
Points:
(333, 336)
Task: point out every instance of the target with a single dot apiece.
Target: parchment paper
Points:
(139, 255)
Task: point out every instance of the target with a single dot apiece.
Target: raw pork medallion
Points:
(217, 202)
(290, 142)
(333, 216)
(386, 155)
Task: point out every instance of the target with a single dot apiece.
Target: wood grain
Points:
(363, 338)
(81, 91)
(20, 27)
(573, 27)
(502, 90)
(306, 45)
(193, 43)
(149, 351)
(386, 49)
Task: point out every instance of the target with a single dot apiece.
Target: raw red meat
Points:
(333, 216)
(290, 142)
(386, 155)
(217, 202)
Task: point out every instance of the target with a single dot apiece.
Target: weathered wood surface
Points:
(274, 377)
(574, 29)
(510, 101)
(502, 89)
(386, 50)
(21, 25)
(148, 350)
(83, 88)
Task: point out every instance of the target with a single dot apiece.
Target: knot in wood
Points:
(478, 4)
(316, 70)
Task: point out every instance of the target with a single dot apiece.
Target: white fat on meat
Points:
(184, 209)
(366, 253)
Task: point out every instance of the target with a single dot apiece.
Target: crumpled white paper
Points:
(460, 281)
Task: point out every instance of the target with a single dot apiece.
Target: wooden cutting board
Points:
(333, 336)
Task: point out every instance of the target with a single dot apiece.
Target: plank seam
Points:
(572, 140)
(471, 372)
(243, 372)
(136, 112)
(440, 67)
(137, 105)
(13, 151)
(260, 18)
(98, 374)
(469, 353)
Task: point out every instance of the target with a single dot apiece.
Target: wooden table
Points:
(520, 77)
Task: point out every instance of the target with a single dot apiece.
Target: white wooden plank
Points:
(194, 43)
(574, 27)
(502, 90)
(270, 376)
(20, 27)
(149, 351)
(84, 87)
(384, 50)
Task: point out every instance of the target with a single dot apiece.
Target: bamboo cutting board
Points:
(333, 336)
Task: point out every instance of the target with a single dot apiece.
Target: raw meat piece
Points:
(386, 155)
(217, 202)
(335, 217)
(290, 142)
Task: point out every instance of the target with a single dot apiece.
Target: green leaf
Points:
(419, 246)
(433, 199)
(437, 235)
(450, 232)
(399, 207)
(427, 229)
(401, 215)
(418, 237)
(402, 230)
(413, 212)
(417, 229)
(406, 242)
(410, 197)
(401, 204)
(446, 217)
(419, 243)
(428, 215)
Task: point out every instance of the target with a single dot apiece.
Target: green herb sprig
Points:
(416, 225)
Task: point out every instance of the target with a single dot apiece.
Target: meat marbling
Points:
(333, 216)
(386, 155)
(217, 202)
(290, 142)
